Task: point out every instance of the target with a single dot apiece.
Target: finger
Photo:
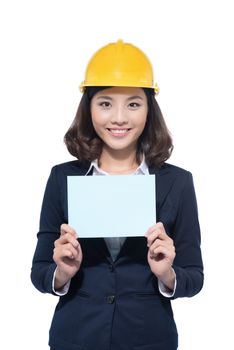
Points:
(159, 226)
(65, 228)
(156, 228)
(163, 253)
(66, 251)
(164, 240)
(67, 238)
(153, 237)
(162, 245)
(157, 235)
(78, 253)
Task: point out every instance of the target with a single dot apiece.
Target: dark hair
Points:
(155, 142)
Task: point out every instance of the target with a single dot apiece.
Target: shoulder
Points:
(180, 176)
(170, 169)
(60, 172)
(171, 178)
(175, 170)
(74, 167)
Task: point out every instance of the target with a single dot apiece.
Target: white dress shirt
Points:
(115, 244)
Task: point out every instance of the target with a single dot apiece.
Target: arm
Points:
(188, 263)
(53, 248)
(161, 255)
(67, 256)
(176, 261)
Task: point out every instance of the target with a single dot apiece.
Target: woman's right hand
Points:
(67, 256)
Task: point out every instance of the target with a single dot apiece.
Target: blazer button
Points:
(110, 299)
(111, 267)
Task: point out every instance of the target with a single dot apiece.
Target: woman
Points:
(115, 293)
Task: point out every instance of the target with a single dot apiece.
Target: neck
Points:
(118, 164)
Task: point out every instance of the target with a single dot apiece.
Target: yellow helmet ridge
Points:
(119, 64)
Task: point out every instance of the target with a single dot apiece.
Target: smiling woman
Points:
(118, 103)
(115, 292)
(119, 115)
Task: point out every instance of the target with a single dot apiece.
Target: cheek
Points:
(98, 123)
(96, 120)
(141, 129)
(99, 118)
(142, 122)
(96, 127)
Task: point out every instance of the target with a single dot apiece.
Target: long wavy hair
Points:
(155, 141)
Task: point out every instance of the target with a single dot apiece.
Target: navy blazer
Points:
(117, 305)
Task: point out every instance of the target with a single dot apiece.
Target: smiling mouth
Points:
(118, 132)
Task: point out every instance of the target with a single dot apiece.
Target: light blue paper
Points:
(111, 206)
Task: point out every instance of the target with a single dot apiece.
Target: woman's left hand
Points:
(161, 254)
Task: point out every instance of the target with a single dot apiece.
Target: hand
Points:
(161, 254)
(67, 255)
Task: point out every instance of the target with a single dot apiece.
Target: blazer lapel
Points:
(164, 182)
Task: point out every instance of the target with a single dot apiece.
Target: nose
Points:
(119, 116)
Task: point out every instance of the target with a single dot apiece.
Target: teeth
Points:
(118, 131)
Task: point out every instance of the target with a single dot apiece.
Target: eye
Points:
(134, 105)
(105, 104)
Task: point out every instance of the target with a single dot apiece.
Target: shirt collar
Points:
(141, 170)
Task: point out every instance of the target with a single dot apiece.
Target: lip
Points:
(118, 132)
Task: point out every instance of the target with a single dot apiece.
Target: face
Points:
(119, 115)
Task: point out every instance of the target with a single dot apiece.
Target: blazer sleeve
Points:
(51, 218)
(188, 263)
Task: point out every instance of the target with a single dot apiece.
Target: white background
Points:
(45, 46)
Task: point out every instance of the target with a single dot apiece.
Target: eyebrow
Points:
(129, 98)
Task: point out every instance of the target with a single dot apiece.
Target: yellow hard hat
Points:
(119, 64)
